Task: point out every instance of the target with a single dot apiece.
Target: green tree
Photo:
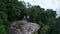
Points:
(10, 10)
(57, 27)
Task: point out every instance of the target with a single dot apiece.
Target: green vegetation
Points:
(13, 10)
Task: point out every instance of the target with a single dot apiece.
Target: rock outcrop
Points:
(23, 27)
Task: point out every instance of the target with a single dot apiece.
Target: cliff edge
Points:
(23, 27)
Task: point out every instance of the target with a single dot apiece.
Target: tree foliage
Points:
(12, 10)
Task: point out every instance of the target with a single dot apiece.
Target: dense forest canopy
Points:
(13, 10)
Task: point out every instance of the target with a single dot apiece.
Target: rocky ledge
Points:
(22, 27)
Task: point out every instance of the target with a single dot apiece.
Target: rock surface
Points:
(23, 27)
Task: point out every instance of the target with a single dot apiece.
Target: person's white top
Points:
(27, 16)
(24, 17)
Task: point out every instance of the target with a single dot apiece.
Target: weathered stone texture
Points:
(23, 27)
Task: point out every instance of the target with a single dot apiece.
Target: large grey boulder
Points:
(23, 27)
